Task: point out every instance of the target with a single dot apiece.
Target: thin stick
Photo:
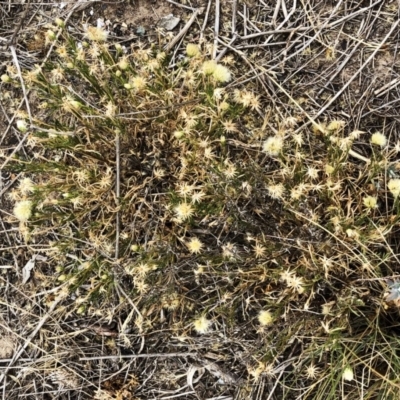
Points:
(205, 20)
(234, 16)
(181, 5)
(15, 59)
(284, 9)
(389, 86)
(117, 192)
(175, 40)
(216, 29)
(273, 32)
(276, 12)
(244, 19)
(150, 355)
(225, 49)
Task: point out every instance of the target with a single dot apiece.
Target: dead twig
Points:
(216, 29)
(117, 192)
(183, 31)
(24, 91)
(205, 20)
(151, 355)
(181, 5)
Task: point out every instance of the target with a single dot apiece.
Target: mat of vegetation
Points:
(206, 213)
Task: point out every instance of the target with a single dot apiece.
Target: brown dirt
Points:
(140, 13)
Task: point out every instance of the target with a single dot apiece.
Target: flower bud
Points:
(50, 35)
(22, 126)
(59, 22)
(5, 78)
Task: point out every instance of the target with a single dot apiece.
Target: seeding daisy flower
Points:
(197, 197)
(221, 74)
(329, 169)
(229, 126)
(62, 51)
(296, 283)
(335, 125)
(394, 187)
(370, 202)
(69, 104)
(312, 371)
(5, 78)
(138, 82)
(50, 36)
(298, 139)
(276, 191)
(259, 250)
(23, 210)
(59, 22)
(209, 67)
(22, 125)
(348, 374)
(273, 145)
(312, 173)
(192, 50)
(96, 34)
(265, 318)
(379, 139)
(202, 325)
(194, 245)
(123, 63)
(26, 186)
(184, 211)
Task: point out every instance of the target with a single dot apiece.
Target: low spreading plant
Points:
(215, 212)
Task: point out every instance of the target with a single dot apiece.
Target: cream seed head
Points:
(370, 202)
(184, 211)
(312, 371)
(276, 191)
(394, 187)
(23, 210)
(209, 67)
(26, 186)
(202, 325)
(138, 82)
(379, 139)
(123, 63)
(222, 74)
(5, 78)
(96, 34)
(273, 145)
(312, 173)
(259, 250)
(265, 318)
(69, 104)
(179, 134)
(50, 35)
(329, 169)
(192, 50)
(59, 22)
(194, 245)
(348, 374)
(22, 125)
